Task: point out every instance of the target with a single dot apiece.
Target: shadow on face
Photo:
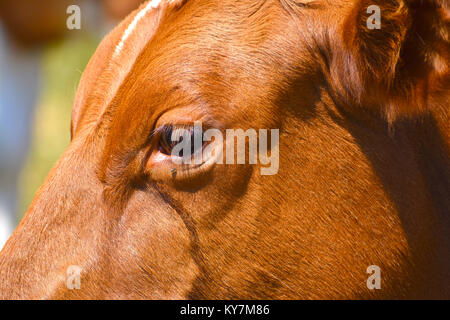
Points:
(347, 194)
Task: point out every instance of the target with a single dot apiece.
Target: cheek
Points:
(157, 246)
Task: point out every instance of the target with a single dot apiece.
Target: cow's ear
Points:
(394, 55)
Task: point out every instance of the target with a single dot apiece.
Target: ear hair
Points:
(400, 68)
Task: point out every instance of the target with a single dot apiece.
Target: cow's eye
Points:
(165, 141)
(181, 141)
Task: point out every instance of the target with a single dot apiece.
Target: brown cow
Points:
(364, 158)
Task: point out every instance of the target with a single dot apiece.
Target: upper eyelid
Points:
(307, 4)
(206, 124)
(156, 134)
(160, 129)
(207, 121)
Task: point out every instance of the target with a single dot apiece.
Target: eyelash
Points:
(165, 134)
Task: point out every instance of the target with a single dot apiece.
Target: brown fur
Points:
(364, 159)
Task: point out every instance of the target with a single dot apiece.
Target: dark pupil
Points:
(178, 138)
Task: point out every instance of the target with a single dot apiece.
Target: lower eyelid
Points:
(159, 157)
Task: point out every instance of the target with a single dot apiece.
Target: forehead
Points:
(197, 59)
(209, 44)
(185, 39)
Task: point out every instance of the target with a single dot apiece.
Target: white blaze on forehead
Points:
(138, 33)
(141, 14)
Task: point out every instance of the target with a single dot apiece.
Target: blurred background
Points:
(41, 62)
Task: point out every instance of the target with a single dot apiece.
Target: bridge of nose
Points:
(63, 223)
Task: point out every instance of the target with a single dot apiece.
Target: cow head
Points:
(353, 187)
